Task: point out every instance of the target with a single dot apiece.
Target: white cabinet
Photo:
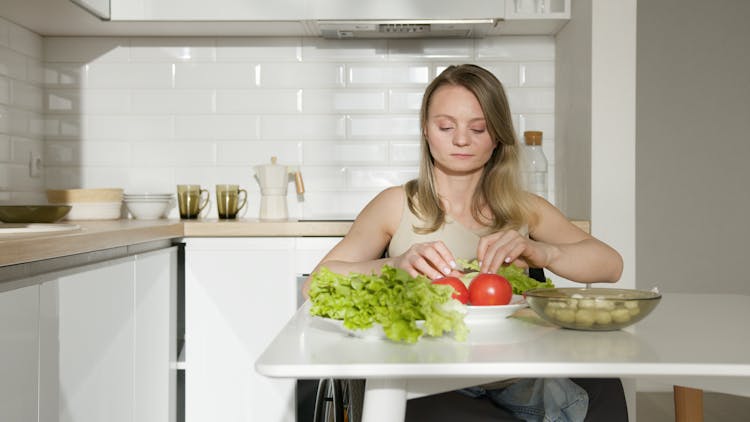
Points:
(108, 339)
(239, 292)
(155, 372)
(19, 340)
(95, 334)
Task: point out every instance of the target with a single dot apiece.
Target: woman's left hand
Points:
(510, 247)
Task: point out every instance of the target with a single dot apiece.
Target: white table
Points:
(700, 341)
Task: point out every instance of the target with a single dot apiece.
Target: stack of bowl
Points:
(89, 204)
(149, 206)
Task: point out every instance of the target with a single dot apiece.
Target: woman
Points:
(468, 201)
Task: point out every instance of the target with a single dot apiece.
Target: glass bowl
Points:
(32, 213)
(592, 309)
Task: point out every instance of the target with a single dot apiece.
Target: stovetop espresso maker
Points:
(274, 179)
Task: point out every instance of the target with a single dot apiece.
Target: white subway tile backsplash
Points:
(103, 153)
(516, 48)
(19, 121)
(507, 73)
(258, 101)
(383, 177)
(342, 153)
(62, 153)
(149, 179)
(538, 74)
(320, 49)
(68, 75)
(532, 100)
(210, 127)
(172, 50)
(4, 90)
(86, 49)
(190, 152)
(405, 153)
(301, 75)
(542, 122)
(4, 32)
(105, 101)
(4, 120)
(130, 128)
(258, 49)
(12, 64)
(391, 74)
(4, 139)
(26, 96)
(19, 180)
(148, 113)
(303, 127)
(22, 148)
(325, 205)
(215, 75)
(175, 101)
(35, 71)
(425, 49)
(150, 154)
(56, 127)
(138, 75)
(252, 153)
(405, 100)
(380, 126)
(331, 101)
(324, 178)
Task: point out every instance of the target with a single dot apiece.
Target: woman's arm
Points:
(361, 250)
(556, 244)
(363, 246)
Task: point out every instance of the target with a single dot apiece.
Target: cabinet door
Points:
(88, 365)
(238, 295)
(19, 341)
(155, 336)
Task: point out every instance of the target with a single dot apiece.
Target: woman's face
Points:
(456, 131)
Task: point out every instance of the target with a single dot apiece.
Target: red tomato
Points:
(489, 290)
(461, 292)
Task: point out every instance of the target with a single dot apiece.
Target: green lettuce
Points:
(394, 299)
(516, 276)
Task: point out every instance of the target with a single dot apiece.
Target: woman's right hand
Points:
(432, 259)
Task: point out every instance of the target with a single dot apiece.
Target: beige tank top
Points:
(460, 240)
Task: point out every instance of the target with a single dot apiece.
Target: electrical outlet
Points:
(35, 165)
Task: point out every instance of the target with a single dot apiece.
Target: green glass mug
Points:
(230, 199)
(191, 199)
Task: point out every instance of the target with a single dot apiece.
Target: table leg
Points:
(688, 404)
(385, 400)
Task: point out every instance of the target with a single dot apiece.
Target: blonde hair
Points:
(499, 190)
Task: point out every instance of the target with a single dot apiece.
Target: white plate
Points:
(485, 314)
(33, 228)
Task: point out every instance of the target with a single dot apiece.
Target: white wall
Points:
(148, 113)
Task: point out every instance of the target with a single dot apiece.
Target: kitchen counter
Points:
(99, 235)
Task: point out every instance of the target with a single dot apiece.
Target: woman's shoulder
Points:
(386, 202)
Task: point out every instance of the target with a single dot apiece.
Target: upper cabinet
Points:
(326, 18)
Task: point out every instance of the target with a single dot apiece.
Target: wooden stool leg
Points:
(688, 404)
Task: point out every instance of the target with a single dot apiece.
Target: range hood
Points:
(424, 28)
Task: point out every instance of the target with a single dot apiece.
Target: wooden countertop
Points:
(98, 235)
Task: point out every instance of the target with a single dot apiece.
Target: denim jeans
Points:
(539, 399)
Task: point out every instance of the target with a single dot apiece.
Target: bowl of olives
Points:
(592, 309)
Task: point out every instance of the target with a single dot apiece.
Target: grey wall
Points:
(693, 146)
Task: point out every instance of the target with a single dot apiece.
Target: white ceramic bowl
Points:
(149, 209)
(94, 211)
